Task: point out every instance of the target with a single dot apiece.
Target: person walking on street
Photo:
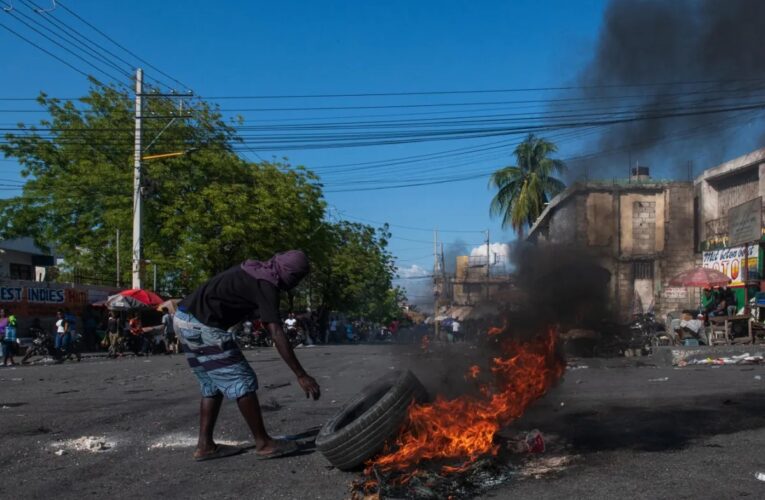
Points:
(201, 324)
(167, 330)
(9, 341)
(113, 333)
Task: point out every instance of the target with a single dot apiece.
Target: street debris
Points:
(741, 359)
(546, 465)
(758, 377)
(60, 453)
(535, 443)
(575, 366)
(660, 379)
(84, 443)
(760, 476)
(178, 440)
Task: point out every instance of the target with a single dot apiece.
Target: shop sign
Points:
(733, 261)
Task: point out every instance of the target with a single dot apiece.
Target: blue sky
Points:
(302, 47)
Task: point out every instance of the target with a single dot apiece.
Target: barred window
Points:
(642, 270)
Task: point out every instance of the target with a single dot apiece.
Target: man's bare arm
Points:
(307, 383)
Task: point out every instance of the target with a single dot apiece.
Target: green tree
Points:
(524, 189)
(203, 211)
(355, 272)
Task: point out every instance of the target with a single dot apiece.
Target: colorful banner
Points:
(733, 261)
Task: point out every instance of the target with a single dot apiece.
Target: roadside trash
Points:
(535, 443)
(741, 359)
(63, 452)
(758, 377)
(760, 476)
(547, 465)
(660, 379)
(562, 403)
(573, 366)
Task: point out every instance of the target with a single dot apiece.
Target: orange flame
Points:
(473, 372)
(464, 428)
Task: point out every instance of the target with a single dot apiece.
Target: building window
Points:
(642, 270)
(21, 272)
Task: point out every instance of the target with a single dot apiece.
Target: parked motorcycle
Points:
(645, 333)
(43, 347)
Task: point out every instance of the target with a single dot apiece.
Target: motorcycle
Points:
(250, 336)
(295, 336)
(42, 347)
(645, 333)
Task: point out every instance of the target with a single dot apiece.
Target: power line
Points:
(12, 14)
(112, 40)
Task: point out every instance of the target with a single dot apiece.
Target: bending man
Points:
(218, 363)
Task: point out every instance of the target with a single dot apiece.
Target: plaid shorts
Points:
(215, 358)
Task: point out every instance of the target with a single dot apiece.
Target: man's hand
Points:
(310, 386)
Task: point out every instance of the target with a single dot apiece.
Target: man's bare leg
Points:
(208, 415)
(250, 409)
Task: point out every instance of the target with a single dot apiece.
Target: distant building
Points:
(21, 259)
(640, 230)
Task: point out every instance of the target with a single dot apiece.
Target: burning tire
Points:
(361, 428)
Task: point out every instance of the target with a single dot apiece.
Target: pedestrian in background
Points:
(62, 338)
(113, 332)
(9, 341)
(3, 326)
(167, 331)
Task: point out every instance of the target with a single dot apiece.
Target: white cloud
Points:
(412, 271)
(502, 251)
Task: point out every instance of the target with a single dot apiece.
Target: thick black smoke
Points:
(713, 53)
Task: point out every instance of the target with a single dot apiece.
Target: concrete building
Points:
(21, 259)
(717, 192)
(640, 230)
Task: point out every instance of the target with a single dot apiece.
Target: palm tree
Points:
(525, 188)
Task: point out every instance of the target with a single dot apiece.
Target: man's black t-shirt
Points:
(231, 297)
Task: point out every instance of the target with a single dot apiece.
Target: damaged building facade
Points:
(639, 230)
(645, 231)
(728, 220)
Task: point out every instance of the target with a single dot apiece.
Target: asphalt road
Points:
(619, 429)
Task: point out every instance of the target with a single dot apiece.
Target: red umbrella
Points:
(133, 299)
(700, 277)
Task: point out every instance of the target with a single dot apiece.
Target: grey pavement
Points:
(630, 429)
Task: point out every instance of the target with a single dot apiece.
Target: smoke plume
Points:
(709, 52)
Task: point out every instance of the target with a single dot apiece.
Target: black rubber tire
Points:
(370, 418)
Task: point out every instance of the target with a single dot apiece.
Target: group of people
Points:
(715, 302)
(140, 340)
(718, 302)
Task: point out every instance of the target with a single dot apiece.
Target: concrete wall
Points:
(641, 223)
(600, 218)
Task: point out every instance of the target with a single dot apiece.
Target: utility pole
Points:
(488, 263)
(137, 195)
(436, 291)
(118, 257)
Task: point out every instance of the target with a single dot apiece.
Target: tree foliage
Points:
(203, 211)
(524, 189)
